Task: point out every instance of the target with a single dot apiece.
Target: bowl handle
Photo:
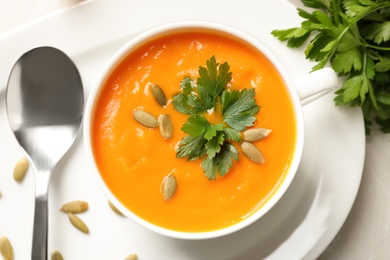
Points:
(316, 84)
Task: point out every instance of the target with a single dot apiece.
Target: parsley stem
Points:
(380, 48)
(371, 10)
(370, 89)
(364, 68)
(357, 19)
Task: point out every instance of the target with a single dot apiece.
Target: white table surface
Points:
(366, 232)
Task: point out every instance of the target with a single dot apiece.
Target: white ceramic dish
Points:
(300, 226)
(174, 29)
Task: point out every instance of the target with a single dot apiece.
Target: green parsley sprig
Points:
(354, 37)
(207, 141)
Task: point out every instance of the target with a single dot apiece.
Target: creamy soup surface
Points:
(133, 160)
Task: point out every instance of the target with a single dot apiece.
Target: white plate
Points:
(301, 225)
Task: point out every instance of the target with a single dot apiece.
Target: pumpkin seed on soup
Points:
(144, 118)
(158, 94)
(20, 169)
(252, 152)
(166, 128)
(255, 134)
(168, 186)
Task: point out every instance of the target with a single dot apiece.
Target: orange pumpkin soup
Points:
(133, 160)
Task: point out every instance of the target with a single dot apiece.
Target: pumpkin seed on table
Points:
(166, 128)
(132, 257)
(20, 169)
(76, 206)
(56, 256)
(252, 152)
(144, 118)
(78, 223)
(158, 94)
(255, 134)
(113, 208)
(168, 186)
(6, 249)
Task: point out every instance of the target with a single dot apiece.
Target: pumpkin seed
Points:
(6, 249)
(1, 194)
(78, 223)
(115, 209)
(168, 186)
(255, 134)
(158, 94)
(252, 152)
(20, 169)
(76, 206)
(145, 118)
(166, 128)
(132, 257)
(56, 256)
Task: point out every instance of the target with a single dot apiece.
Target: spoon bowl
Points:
(44, 102)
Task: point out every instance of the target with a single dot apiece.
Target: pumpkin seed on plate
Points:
(76, 206)
(6, 249)
(166, 128)
(20, 169)
(252, 152)
(56, 256)
(158, 94)
(115, 209)
(78, 223)
(168, 186)
(144, 118)
(132, 257)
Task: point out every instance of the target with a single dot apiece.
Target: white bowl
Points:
(203, 27)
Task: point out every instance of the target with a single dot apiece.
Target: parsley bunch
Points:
(354, 37)
(212, 142)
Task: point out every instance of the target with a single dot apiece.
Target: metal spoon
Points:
(45, 102)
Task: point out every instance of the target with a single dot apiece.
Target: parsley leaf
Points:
(213, 131)
(191, 147)
(314, 3)
(377, 32)
(239, 114)
(383, 64)
(213, 146)
(187, 101)
(223, 163)
(232, 135)
(213, 78)
(196, 125)
(353, 36)
(225, 160)
(348, 60)
(213, 142)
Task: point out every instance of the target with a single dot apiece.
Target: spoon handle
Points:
(40, 230)
(39, 243)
